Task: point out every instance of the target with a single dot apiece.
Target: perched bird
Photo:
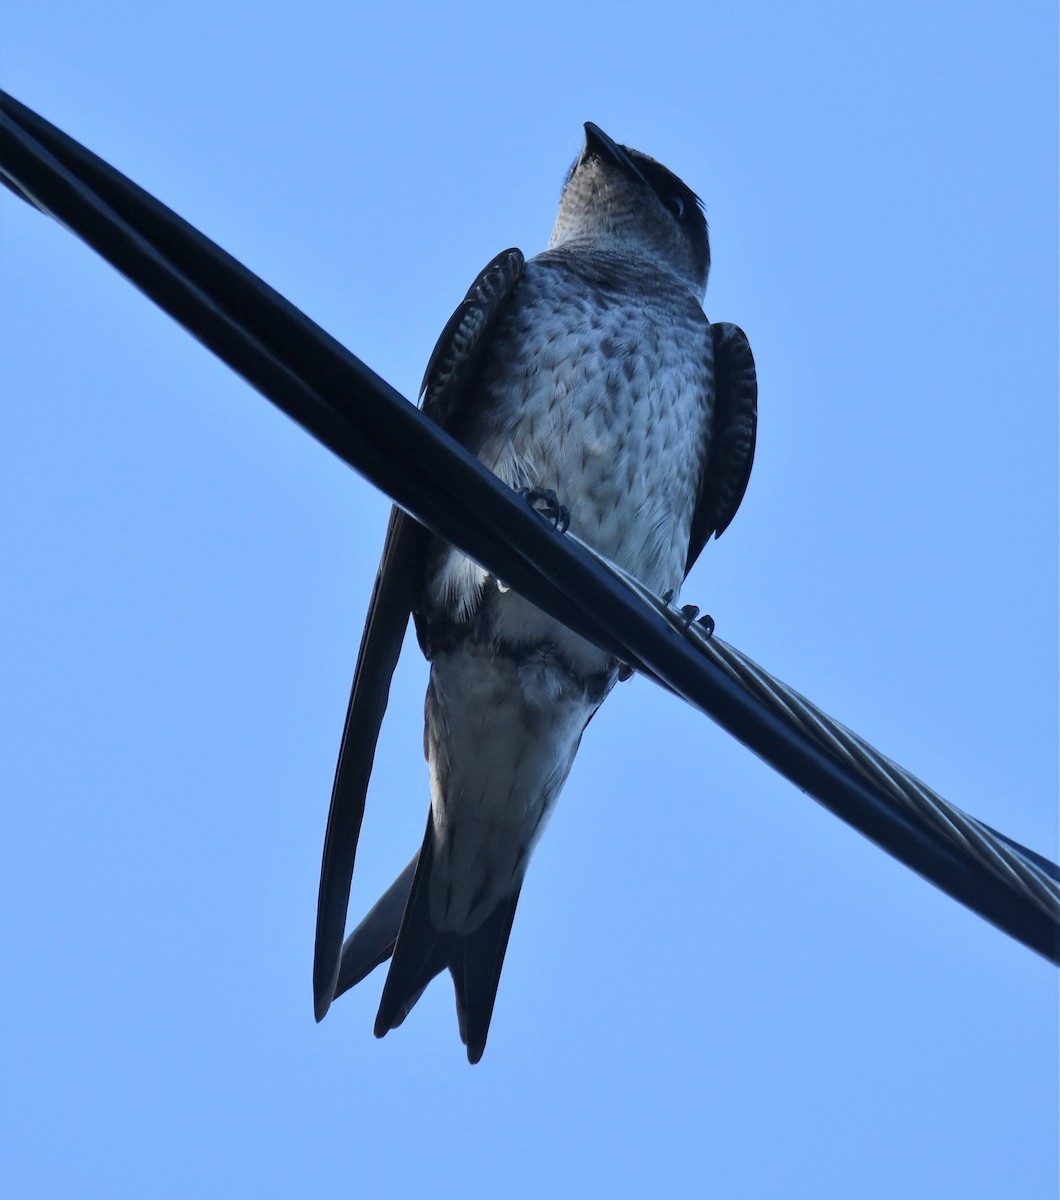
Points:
(591, 376)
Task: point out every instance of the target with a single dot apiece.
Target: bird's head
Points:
(622, 201)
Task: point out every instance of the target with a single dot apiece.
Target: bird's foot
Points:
(706, 623)
(546, 502)
(690, 614)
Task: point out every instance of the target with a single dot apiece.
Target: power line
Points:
(336, 398)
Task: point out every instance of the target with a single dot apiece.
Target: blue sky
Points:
(713, 987)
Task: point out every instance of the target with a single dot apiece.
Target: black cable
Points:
(358, 416)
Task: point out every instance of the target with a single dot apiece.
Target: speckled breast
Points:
(597, 384)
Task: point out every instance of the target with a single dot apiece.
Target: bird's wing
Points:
(384, 630)
(732, 440)
(456, 355)
(447, 380)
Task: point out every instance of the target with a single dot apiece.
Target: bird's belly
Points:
(627, 470)
(501, 734)
(626, 464)
(614, 423)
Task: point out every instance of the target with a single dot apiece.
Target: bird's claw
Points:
(546, 502)
(690, 615)
(689, 612)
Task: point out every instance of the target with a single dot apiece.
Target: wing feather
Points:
(447, 383)
(734, 424)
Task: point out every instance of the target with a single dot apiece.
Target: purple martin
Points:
(588, 374)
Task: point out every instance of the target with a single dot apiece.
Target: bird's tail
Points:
(421, 951)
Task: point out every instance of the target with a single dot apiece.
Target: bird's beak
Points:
(599, 144)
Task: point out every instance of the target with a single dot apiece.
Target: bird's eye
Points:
(677, 206)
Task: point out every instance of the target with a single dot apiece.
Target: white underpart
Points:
(497, 765)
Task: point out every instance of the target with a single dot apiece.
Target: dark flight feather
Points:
(388, 613)
(732, 440)
(450, 372)
(422, 952)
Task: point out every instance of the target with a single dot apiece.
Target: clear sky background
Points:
(713, 988)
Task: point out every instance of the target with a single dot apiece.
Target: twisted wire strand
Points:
(962, 832)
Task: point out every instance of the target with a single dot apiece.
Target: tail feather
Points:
(422, 952)
(475, 965)
(372, 942)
